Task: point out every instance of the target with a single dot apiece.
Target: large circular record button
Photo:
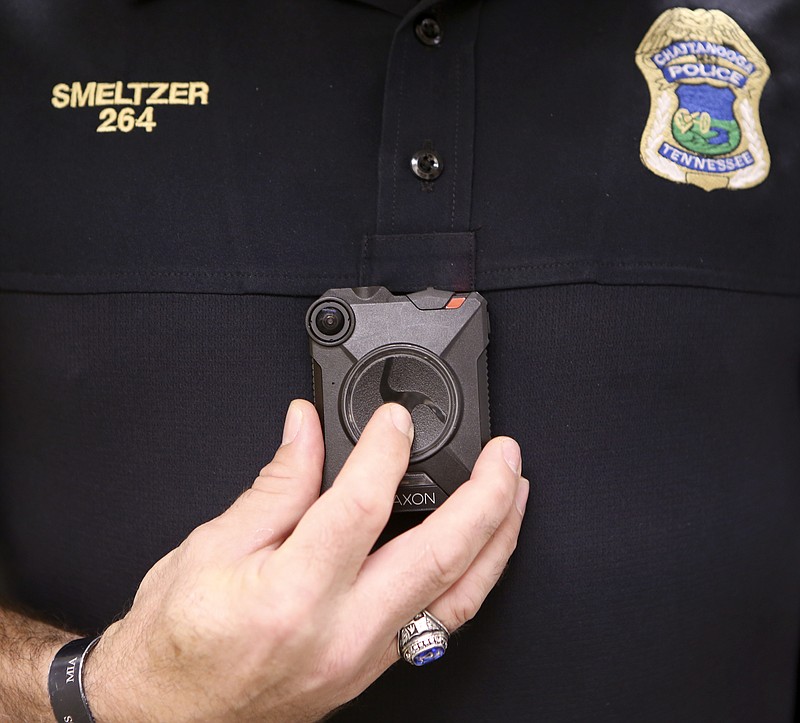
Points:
(407, 375)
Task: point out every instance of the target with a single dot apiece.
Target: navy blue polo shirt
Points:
(180, 179)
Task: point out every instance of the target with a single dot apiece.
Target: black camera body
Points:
(426, 351)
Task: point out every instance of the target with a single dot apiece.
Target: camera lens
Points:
(329, 320)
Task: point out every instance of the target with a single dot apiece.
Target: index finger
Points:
(334, 537)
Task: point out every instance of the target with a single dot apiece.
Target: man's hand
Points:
(277, 611)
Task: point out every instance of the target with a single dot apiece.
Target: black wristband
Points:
(65, 683)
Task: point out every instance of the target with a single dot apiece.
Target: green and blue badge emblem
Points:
(706, 78)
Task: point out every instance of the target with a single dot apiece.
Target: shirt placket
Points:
(422, 233)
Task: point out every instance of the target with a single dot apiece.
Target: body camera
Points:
(426, 351)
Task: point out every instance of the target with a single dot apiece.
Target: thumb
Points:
(266, 513)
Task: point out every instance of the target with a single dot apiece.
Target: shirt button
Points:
(428, 31)
(427, 164)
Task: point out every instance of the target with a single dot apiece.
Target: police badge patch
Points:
(706, 78)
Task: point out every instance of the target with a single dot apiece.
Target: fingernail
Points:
(402, 420)
(521, 500)
(512, 455)
(294, 420)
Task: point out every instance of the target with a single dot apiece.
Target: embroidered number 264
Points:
(125, 120)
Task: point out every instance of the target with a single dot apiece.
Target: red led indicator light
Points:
(456, 302)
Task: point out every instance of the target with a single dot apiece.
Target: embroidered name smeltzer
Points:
(706, 78)
(130, 105)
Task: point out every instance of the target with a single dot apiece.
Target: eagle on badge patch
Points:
(706, 78)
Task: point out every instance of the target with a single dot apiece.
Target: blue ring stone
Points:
(429, 655)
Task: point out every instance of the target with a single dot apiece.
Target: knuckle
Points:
(286, 626)
(444, 565)
(246, 498)
(472, 592)
(201, 541)
(500, 498)
(491, 517)
(465, 607)
(363, 506)
(276, 471)
(256, 497)
(279, 629)
(483, 527)
(289, 617)
(267, 490)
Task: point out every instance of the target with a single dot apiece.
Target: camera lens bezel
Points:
(322, 306)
